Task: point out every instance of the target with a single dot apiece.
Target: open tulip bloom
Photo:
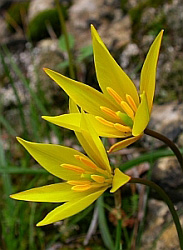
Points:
(119, 111)
(85, 178)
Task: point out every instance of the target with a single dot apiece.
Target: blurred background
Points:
(31, 38)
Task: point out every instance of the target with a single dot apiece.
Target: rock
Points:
(158, 233)
(106, 16)
(37, 6)
(166, 119)
(168, 174)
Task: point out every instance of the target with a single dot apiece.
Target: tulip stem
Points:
(117, 199)
(167, 200)
(168, 142)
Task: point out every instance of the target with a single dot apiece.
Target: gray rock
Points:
(37, 6)
(160, 232)
(107, 17)
(166, 119)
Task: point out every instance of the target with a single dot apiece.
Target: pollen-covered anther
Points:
(103, 121)
(73, 168)
(127, 109)
(97, 178)
(109, 112)
(122, 128)
(114, 94)
(79, 182)
(131, 102)
(87, 162)
(81, 188)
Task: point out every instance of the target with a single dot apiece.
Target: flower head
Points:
(85, 178)
(119, 111)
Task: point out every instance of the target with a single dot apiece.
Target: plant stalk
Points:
(169, 203)
(117, 199)
(168, 142)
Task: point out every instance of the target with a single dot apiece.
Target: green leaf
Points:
(106, 236)
(62, 44)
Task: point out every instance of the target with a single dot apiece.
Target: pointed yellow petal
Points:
(59, 192)
(51, 156)
(69, 121)
(70, 208)
(109, 73)
(141, 117)
(93, 145)
(123, 144)
(148, 73)
(119, 180)
(83, 95)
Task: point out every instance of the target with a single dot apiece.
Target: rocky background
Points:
(29, 31)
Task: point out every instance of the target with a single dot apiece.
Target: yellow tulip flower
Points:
(119, 111)
(85, 178)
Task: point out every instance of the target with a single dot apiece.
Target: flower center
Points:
(122, 120)
(91, 175)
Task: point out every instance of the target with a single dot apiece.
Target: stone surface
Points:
(37, 6)
(166, 119)
(168, 174)
(160, 232)
(106, 16)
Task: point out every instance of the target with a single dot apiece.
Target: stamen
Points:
(73, 168)
(127, 109)
(105, 122)
(81, 188)
(87, 162)
(109, 112)
(122, 128)
(131, 102)
(79, 182)
(115, 95)
(98, 178)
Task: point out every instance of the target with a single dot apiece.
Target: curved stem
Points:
(169, 203)
(168, 142)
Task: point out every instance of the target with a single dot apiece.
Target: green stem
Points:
(117, 199)
(168, 142)
(64, 31)
(169, 203)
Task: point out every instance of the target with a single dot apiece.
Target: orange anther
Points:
(105, 122)
(109, 112)
(127, 109)
(98, 178)
(81, 188)
(131, 102)
(122, 128)
(73, 168)
(114, 94)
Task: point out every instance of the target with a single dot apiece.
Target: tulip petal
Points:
(72, 121)
(123, 144)
(148, 73)
(83, 95)
(59, 192)
(51, 156)
(119, 180)
(69, 121)
(70, 208)
(109, 73)
(141, 117)
(92, 144)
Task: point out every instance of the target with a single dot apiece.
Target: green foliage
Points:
(15, 14)
(39, 25)
(62, 45)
